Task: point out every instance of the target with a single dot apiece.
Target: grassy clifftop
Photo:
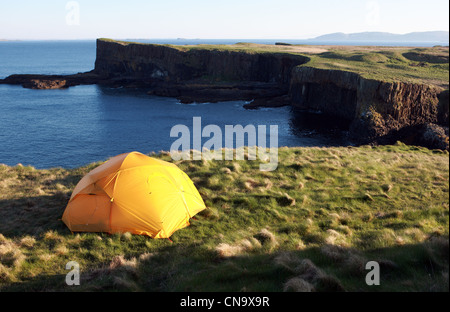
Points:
(415, 65)
(404, 64)
(312, 224)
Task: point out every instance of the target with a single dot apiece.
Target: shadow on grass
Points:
(33, 215)
(196, 268)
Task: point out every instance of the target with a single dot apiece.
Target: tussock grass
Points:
(311, 225)
(297, 284)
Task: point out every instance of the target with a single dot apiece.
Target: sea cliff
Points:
(385, 94)
(178, 64)
(376, 110)
(197, 74)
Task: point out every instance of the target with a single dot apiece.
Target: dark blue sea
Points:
(76, 126)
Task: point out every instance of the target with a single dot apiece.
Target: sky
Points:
(211, 19)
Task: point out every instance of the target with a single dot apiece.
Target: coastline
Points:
(319, 218)
(381, 104)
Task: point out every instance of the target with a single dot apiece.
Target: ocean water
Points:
(46, 57)
(76, 126)
(83, 124)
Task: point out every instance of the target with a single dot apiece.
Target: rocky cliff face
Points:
(170, 69)
(330, 91)
(374, 109)
(170, 64)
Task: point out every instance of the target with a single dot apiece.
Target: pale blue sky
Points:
(210, 19)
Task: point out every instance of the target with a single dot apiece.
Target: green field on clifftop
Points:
(404, 64)
(312, 224)
(416, 65)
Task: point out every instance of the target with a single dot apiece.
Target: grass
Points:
(391, 64)
(311, 225)
(430, 66)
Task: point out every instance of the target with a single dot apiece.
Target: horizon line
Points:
(184, 38)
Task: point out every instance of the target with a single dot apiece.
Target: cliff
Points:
(200, 73)
(385, 93)
(178, 64)
(375, 109)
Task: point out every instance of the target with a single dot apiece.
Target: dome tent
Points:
(133, 193)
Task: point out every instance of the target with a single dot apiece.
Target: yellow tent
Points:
(133, 193)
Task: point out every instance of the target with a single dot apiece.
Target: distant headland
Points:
(426, 36)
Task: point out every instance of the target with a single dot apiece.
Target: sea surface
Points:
(76, 126)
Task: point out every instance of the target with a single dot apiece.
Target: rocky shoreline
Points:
(186, 92)
(378, 112)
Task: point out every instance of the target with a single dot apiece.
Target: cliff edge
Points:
(377, 111)
(197, 73)
(385, 93)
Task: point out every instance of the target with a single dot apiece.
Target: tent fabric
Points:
(133, 193)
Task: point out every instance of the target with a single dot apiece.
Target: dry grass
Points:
(28, 242)
(297, 284)
(246, 245)
(308, 277)
(226, 250)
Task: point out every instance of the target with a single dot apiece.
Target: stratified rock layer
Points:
(375, 109)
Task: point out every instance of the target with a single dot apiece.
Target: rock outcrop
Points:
(196, 74)
(376, 110)
(53, 81)
(169, 64)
